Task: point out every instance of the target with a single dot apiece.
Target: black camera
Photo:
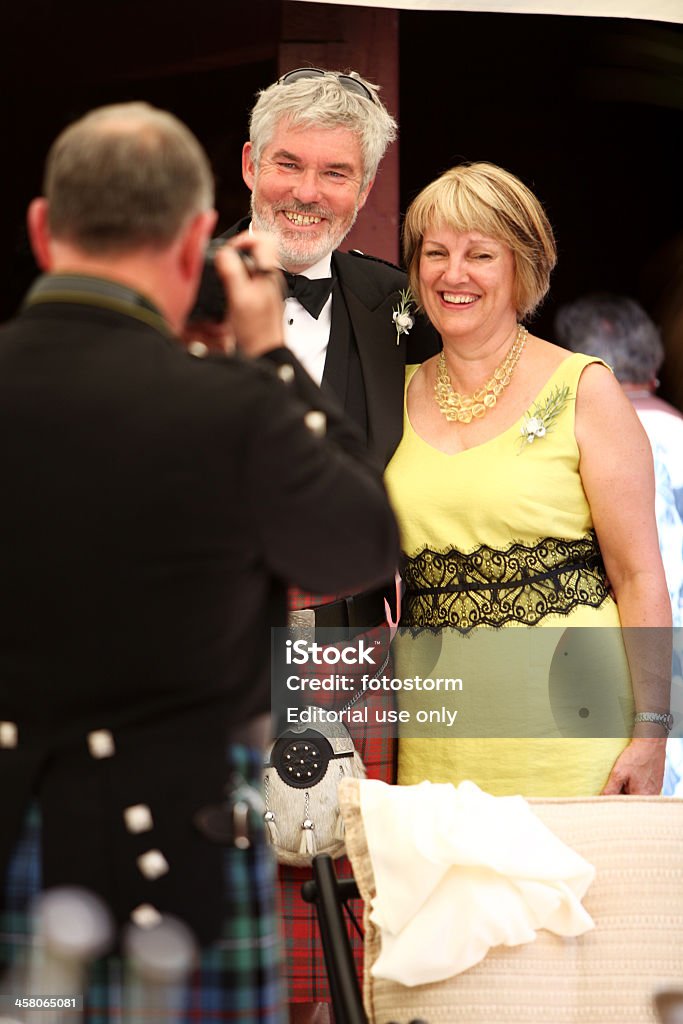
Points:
(211, 302)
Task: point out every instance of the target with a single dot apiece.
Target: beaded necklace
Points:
(464, 408)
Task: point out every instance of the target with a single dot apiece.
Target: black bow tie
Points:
(312, 294)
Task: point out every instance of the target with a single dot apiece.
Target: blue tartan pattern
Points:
(238, 979)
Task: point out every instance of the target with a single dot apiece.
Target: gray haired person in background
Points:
(618, 330)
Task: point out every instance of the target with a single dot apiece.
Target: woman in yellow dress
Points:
(525, 493)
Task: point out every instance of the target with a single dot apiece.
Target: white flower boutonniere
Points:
(401, 315)
(542, 417)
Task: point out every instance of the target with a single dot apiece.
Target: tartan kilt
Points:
(305, 971)
(238, 979)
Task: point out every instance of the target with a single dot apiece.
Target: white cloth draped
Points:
(458, 871)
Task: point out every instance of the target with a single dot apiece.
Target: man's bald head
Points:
(125, 177)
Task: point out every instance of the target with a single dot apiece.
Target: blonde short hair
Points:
(483, 197)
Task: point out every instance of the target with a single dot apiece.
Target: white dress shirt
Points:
(305, 336)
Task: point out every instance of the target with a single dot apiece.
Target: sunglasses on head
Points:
(346, 81)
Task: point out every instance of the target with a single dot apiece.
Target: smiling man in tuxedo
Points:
(315, 141)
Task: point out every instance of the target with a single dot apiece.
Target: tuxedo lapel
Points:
(335, 376)
(343, 374)
(382, 360)
(365, 367)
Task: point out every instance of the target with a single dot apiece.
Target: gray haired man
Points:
(316, 139)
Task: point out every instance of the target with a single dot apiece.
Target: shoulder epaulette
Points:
(375, 259)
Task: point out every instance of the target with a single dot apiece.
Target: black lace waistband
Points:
(491, 587)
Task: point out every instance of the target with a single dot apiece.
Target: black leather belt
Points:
(357, 612)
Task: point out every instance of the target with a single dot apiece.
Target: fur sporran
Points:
(303, 769)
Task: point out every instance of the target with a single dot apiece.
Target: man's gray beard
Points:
(296, 254)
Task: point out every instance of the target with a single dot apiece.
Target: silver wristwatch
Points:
(658, 718)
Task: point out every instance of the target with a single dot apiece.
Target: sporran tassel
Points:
(271, 828)
(307, 844)
(269, 816)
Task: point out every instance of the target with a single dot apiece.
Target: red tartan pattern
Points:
(304, 966)
(298, 599)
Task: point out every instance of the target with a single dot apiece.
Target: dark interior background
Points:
(588, 111)
(204, 61)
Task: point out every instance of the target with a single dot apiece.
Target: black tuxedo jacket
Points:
(365, 367)
(154, 507)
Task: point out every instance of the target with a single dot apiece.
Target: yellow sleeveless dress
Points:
(496, 537)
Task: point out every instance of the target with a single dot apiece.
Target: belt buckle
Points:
(301, 622)
(302, 619)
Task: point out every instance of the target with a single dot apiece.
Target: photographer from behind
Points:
(156, 507)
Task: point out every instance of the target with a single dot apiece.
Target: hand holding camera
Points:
(240, 299)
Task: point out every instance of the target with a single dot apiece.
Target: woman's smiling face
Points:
(466, 282)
